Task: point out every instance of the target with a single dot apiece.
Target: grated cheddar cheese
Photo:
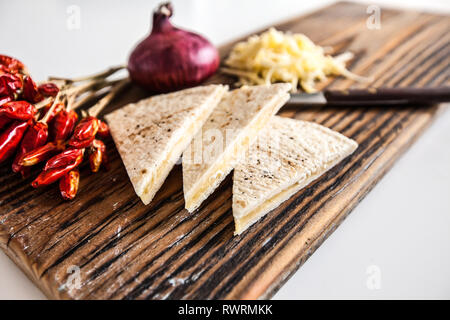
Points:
(275, 56)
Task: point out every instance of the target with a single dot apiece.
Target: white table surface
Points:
(395, 244)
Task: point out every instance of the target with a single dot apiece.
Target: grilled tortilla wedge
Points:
(226, 136)
(152, 133)
(286, 157)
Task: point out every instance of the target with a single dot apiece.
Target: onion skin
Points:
(171, 59)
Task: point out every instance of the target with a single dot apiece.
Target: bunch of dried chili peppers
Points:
(39, 123)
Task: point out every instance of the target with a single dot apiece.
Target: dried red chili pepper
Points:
(4, 120)
(41, 154)
(103, 130)
(63, 124)
(4, 69)
(30, 91)
(12, 64)
(63, 159)
(97, 156)
(4, 100)
(45, 151)
(59, 107)
(48, 89)
(68, 184)
(35, 137)
(11, 137)
(81, 144)
(10, 85)
(84, 132)
(19, 110)
(58, 168)
(86, 129)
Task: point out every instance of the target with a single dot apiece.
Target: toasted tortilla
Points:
(226, 136)
(152, 133)
(287, 156)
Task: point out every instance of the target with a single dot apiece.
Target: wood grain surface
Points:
(125, 250)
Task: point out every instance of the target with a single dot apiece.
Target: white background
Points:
(395, 244)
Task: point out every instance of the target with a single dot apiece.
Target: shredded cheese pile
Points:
(275, 56)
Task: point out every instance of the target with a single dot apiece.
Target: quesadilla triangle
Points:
(152, 133)
(226, 136)
(286, 157)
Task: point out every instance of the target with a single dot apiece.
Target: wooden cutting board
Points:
(125, 250)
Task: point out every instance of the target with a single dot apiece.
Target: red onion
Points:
(170, 58)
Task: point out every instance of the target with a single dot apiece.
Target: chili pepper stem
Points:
(103, 74)
(43, 103)
(71, 101)
(59, 83)
(50, 111)
(74, 90)
(92, 94)
(98, 107)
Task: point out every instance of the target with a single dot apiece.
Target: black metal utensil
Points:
(375, 96)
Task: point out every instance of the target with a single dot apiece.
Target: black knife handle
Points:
(439, 94)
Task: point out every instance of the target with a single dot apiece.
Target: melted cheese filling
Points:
(254, 215)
